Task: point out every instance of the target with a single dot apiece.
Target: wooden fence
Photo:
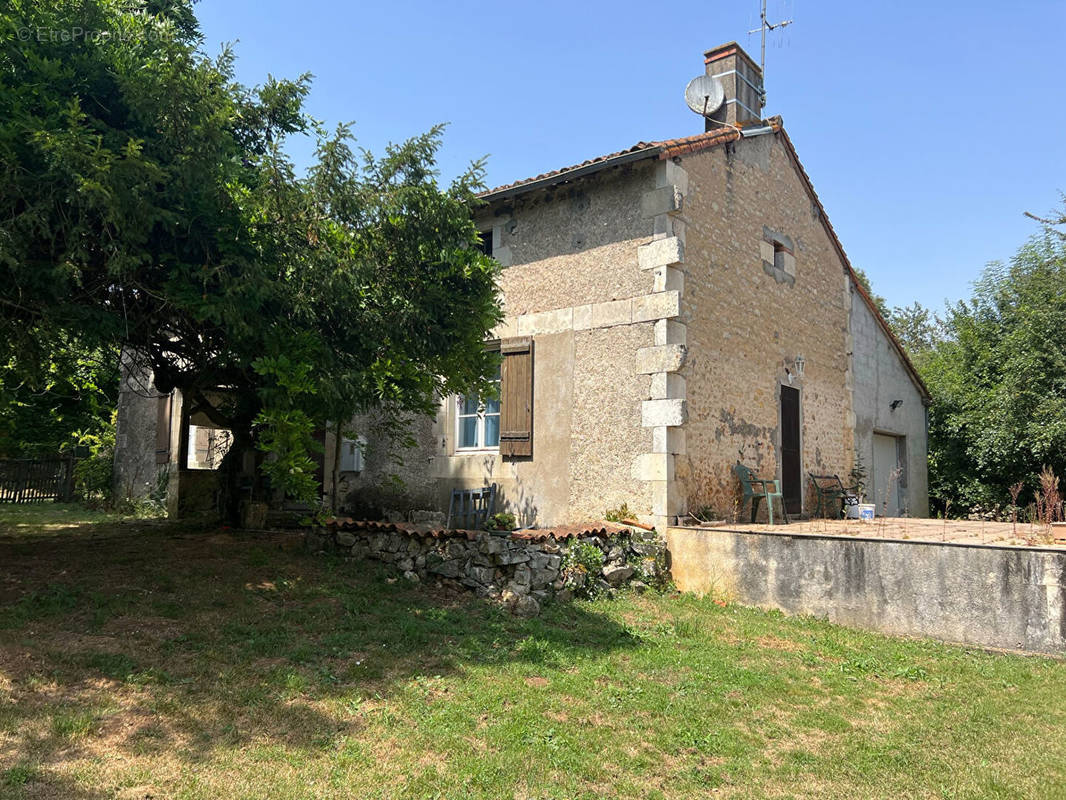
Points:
(29, 480)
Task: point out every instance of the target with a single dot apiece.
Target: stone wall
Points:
(137, 474)
(749, 319)
(573, 281)
(1010, 597)
(523, 570)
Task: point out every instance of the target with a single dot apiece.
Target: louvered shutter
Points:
(516, 397)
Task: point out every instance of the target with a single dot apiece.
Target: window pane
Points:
(492, 406)
(468, 432)
(492, 430)
(468, 404)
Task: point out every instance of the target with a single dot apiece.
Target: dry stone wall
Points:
(522, 570)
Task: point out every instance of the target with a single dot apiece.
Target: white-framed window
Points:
(477, 421)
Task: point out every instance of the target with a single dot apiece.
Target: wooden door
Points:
(791, 470)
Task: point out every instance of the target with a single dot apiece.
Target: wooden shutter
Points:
(162, 429)
(516, 397)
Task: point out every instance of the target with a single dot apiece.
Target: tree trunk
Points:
(230, 479)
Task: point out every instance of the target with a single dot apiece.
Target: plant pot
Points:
(1058, 532)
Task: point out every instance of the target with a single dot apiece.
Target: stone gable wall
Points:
(749, 315)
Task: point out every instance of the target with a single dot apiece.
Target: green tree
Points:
(879, 301)
(147, 202)
(998, 380)
(917, 328)
(46, 408)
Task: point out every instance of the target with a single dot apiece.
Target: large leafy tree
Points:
(995, 365)
(998, 379)
(147, 202)
(49, 407)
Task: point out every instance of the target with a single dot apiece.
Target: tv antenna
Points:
(765, 26)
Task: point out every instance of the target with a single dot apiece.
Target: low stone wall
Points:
(523, 570)
(991, 596)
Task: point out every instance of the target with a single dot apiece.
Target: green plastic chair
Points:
(755, 489)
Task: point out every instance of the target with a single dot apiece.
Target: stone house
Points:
(670, 309)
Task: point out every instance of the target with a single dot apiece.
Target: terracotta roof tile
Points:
(638, 147)
(667, 148)
(599, 528)
(571, 531)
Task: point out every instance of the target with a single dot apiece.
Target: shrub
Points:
(581, 569)
(503, 521)
(94, 475)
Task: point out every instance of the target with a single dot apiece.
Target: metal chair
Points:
(829, 488)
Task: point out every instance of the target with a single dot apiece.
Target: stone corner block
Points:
(668, 279)
(664, 200)
(668, 440)
(666, 499)
(664, 358)
(664, 252)
(653, 467)
(670, 331)
(667, 386)
(656, 413)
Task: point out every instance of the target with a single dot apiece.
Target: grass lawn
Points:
(183, 663)
(36, 520)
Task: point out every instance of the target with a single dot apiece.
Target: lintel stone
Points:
(660, 305)
(616, 312)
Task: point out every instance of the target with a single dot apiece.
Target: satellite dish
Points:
(704, 94)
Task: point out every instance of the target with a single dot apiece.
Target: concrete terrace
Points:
(924, 530)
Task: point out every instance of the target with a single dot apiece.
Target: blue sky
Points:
(927, 128)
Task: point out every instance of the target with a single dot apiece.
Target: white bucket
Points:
(866, 512)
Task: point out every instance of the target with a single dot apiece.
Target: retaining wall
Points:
(522, 570)
(1005, 597)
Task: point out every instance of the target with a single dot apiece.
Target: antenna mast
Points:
(765, 26)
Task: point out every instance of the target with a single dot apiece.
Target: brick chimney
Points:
(741, 78)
